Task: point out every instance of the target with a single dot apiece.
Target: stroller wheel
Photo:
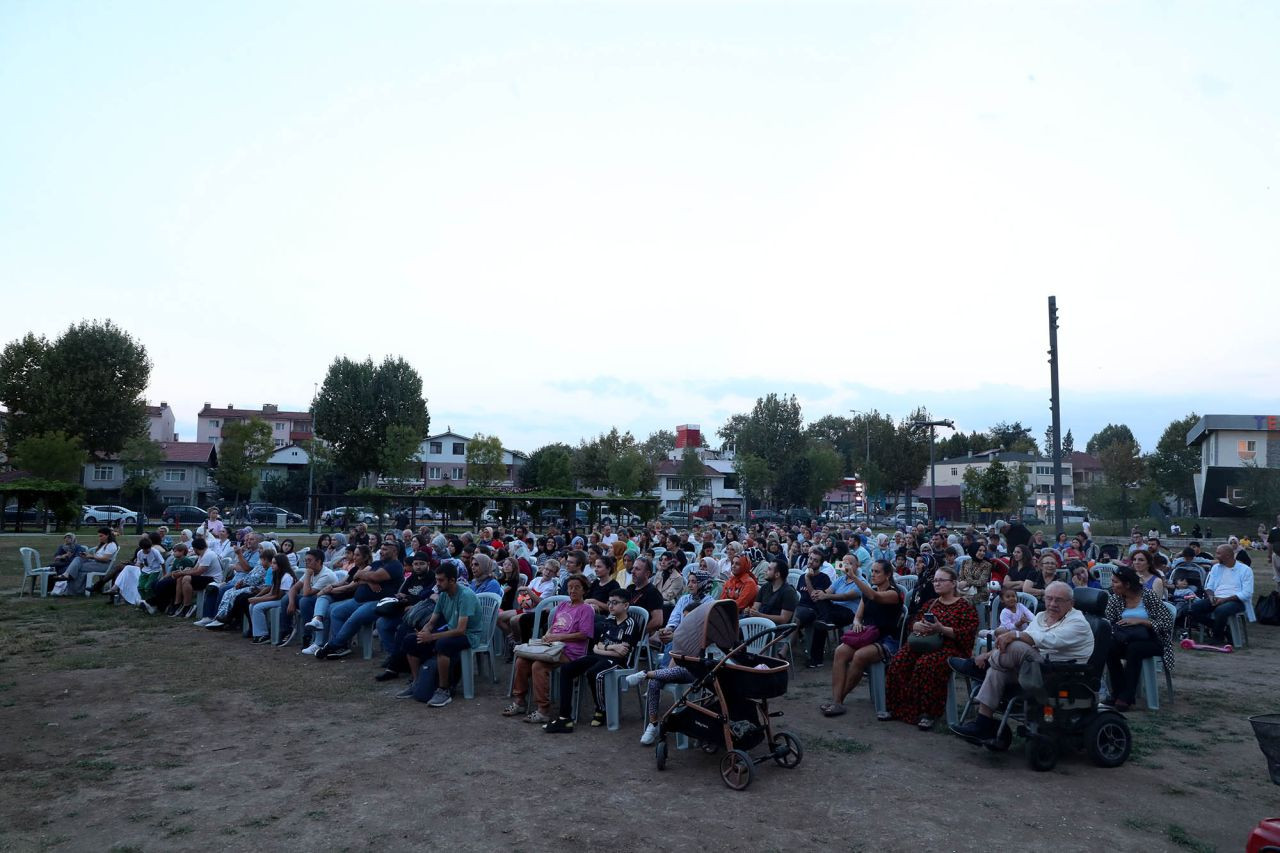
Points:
(737, 769)
(787, 751)
(660, 754)
(1042, 753)
(1108, 740)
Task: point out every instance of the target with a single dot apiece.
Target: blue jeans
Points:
(259, 614)
(346, 618)
(306, 609)
(1203, 613)
(387, 626)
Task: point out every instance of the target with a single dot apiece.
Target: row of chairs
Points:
(35, 575)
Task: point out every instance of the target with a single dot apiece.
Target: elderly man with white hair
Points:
(1059, 631)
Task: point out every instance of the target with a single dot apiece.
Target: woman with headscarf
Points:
(924, 591)
(524, 560)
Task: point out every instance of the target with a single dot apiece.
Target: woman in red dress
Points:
(916, 683)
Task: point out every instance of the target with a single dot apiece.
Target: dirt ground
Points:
(126, 732)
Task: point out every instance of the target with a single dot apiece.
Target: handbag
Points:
(1268, 609)
(1126, 634)
(420, 614)
(390, 607)
(865, 636)
(923, 643)
(538, 650)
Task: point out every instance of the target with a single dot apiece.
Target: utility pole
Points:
(866, 497)
(933, 473)
(1055, 404)
(311, 463)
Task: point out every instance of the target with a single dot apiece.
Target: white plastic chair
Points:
(1149, 682)
(90, 578)
(489, 604)
(33, 573)
(614, 682)
(541, 621)
(752, 625)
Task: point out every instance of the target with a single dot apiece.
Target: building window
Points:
(433, 473)
(459, 449)
(457, 473)
(215, 424)
(175, 475)
(104, 472)
(213, 439)
(280, 425)
(1237, 494)
(955, 472)
(279, 442)
(436, 447)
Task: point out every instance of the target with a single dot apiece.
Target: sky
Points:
(572, 216)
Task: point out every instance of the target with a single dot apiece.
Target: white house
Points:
(1230, 444)
(1039, 471)
(184, 476)
(160, 423)
(444, 460)
(719, 484)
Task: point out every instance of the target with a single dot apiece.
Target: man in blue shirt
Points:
(380, 580)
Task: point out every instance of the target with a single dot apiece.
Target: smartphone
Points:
(929, 617)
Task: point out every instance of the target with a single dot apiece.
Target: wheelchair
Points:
(1063, 713)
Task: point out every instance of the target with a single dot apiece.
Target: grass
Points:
(1186, 840)
(842, 745)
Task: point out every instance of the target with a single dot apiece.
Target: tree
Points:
(51, 456)
(1018, 488)
(996, 487)
(246, 447)
(730, 431)
(358, 402)
(1107, 436)
(1014, 437)
(754, 476)
(141, 460)
(592, 459)
(1068, 445)
(658, 445)
(843, 435)
(288, 490)
(485, 467)
(398, 456)
(1173, 465)
(772, 431)
(1124, 470)
(88, 383)
(690, 477)
(549, 468)
(971, 489)
(824, 467)
(904, 457)
(631, 473)
(1262, 488)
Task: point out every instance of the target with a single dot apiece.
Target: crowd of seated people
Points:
(417, 591)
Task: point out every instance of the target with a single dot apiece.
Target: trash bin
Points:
(1266, 728)
(282, 520)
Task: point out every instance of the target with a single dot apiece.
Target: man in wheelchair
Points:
(1060, 640)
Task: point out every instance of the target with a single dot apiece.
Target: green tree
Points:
(971, 489)
(904, 457)
(141, 460)
(1123, 468)
(632, 473)
(246, 447)
(1262, 489)
(1068, 445)
(690, 477)
(730, 431)
(359, 401)
(88, 383)
(484, 461)
(1173, 465)
(824, 469)
(754, 477)
(844, 436)
(398, 456)
(51, 456)
(658, 445)
(549, 468)
(1107, 436)
(1019, 488)
(287, 489)
(773, 431)
(996, 486)
(1014, 437)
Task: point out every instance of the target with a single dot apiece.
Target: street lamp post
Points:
(933, 474)
(865, 508)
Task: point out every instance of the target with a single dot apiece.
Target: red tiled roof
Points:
(1084, 462)
(188, 451)
(669, 467)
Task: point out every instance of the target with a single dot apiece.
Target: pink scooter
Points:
(1188, 643)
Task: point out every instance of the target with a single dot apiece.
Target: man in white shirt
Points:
(1059, 631)
(607, 536)
(1228, 592)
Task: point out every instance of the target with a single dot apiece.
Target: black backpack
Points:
(1268, 609)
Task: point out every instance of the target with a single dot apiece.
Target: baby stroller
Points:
(1063, 711)
(728, 702)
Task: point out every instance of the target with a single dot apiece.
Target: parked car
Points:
(673, 516)
(30, 515)
(340, 515)
(270, 515)
(179, 514)
(1031, 520)
(766, 516)
(108, 513)
(625, 517)
(799, 515)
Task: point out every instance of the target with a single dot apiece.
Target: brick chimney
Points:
(270, 408)
(688, 435)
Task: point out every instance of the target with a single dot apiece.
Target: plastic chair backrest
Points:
(490, 602)
(542, 613)
(752, 625)
(641, 615)
(793, 576)
(1028, 601)
(30, 559)
(907, 581)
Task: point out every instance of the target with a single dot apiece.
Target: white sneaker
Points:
(650, 734)
(149, 608)
(634, 678)
(200, 623)
(214, 624)
(311, 649)
(316, 623)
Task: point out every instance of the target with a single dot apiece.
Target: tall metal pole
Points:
(933, 474)
(1055, 408)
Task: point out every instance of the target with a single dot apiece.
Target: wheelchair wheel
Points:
(1108, 739)
(791, 750)
(737, 769)
(1042, 753)
(660, 754)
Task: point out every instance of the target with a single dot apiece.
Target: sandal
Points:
(833, 709)
(515, 709)
(925, 724)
